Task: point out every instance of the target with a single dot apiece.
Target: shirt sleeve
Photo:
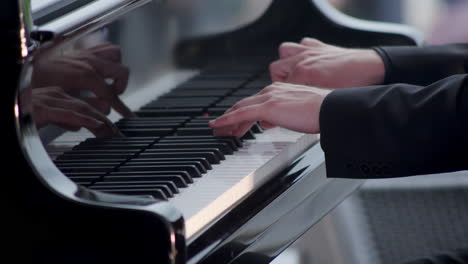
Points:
(396, 130)
(423, 65)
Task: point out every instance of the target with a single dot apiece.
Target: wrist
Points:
(374, 67)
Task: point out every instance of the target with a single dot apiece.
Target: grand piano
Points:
(168, 191)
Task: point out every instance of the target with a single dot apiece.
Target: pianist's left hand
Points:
(295, 107)
(312, 62)
(51, 105)
(97, 69)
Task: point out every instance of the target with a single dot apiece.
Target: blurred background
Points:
(440, 20)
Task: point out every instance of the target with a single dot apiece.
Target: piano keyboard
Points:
(169, 152)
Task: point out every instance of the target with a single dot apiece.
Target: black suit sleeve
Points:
(396, 130)
(423, 65)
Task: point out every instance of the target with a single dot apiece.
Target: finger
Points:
(289, 49)
(224, 131)
(280, 70)
(311, 42)
(246, 114)
(266, 125)
(251, 100)
(69, 119)
(101, 105)
(242, 129)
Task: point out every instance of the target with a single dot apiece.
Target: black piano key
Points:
(156, 119)
(132, 140)
(206, 164)
(137, 125)
(215, 151)
(197, 93)
(216, 111)
(181, 102)
(110, 146)
(223, 147)
(171, 185)
(192, 170)
(86, 169)
(179, 178)
(84, 161)
(232, 140)
(229, 142)
(146, 132)
(248, 135)
(246, 92)
(170, 112)
(151, 163)
(156, 193)
(102, 151)
(229, 101)
(256, 128)
(210, 156)
(194, 131)
(212, 84)
(203, 124)
(258, 84)
(84, 180)
(117, 140)
(97, 156)
(62, 165)
(164, 188)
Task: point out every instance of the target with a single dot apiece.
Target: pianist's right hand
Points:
(317, 64)
(97, 69)
(294, 107)
(52, 105)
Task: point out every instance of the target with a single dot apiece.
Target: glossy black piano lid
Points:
(77, 220)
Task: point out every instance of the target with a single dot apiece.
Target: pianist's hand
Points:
(295, 107)
(97, 69)
(314, 63)
(52, 105)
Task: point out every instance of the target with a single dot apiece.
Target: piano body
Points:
(60, 209)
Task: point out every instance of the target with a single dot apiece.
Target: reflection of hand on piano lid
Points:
(295, 107)
(315, 63)
(97, 69)
(52, 105)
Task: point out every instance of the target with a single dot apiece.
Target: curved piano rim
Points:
(53, 210)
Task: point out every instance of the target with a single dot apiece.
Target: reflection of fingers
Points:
(121, 108)
(72, 120)
(101, 105)
(116, 72)
(107, 52)
(82, 108)
(107, 93)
